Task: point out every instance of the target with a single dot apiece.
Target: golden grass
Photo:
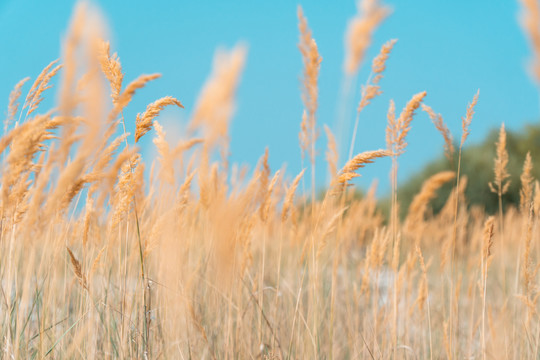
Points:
(530, 20)
(360, 30)
(204, 260)
(143, 122)
(437, 119)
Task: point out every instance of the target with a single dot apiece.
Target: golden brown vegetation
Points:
(202, 261)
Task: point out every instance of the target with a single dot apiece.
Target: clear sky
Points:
(448, 48)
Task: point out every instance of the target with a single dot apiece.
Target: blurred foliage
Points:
(477, 164)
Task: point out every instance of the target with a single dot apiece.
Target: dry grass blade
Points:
(391, 128)
(360, 30)
(310, 90)
(25, 142)
(34, 99)
(526, 192)
(438, 121)
(111, 67)
(183, 192)
(332, 155)
(362, 159)
(265, 205)
(379, 63)
(530, 272)
(372, 90)
(487, 243)
(536, 200)
(96, 262)
(528, 266)
(186, 145)
(530, 21)
(397, 130)
(312, 63)
(303, 135)
(418, 206)
(59, 199)
(144, 121)
(77, 269)
(466, 121)
(369, 92)
(125, 97)
(108, 152)
(13, 106)
(289, 197)
(215, 104)
(164, 150)
(500, 185)
(35, 86)
(329, 228)
(357, 162)
(423, 285)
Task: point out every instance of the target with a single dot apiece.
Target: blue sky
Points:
(448, 48)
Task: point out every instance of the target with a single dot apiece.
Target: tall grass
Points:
(199, 260)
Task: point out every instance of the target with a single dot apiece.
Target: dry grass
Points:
(199, 260)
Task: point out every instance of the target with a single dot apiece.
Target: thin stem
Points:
(394, 219)
(351, 148)
(501, 231)
(452, 255)
(141, 256)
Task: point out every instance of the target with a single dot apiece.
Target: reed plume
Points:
(111, 67)
(466, 121)
(215, 105)
(34, 89)
(529, 270)
(68, 98)
(332, 155)
(372, 88)
(500, 185)
(379, 63)
(289, 196)
(34, 97)
(264, 180)
(328, 228)
(418, 207)
(438, 121)
(77, 269)
(265, 204)
(125, 97)
(530, 21)
(527, 179)
(312, 63)
(397, 130)
(143, 122)
(359, 161)
(13, 106)
(360, 31)
(487, 244)
(165, 158)
(423, 285)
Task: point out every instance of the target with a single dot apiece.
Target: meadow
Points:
(190, 257)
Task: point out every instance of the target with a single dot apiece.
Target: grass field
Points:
(190, 257)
